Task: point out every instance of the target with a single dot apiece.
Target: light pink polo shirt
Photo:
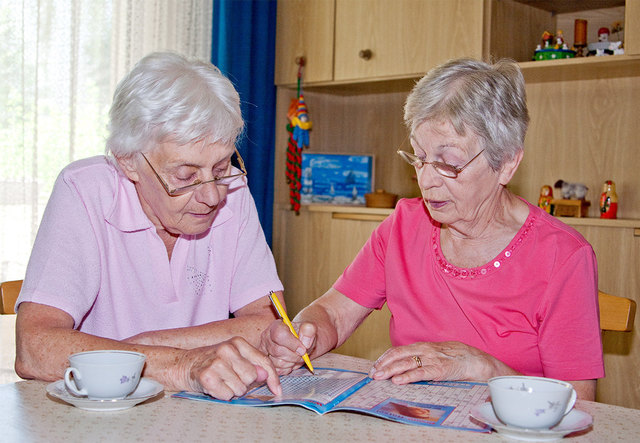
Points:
(534, 306)
(98, 258)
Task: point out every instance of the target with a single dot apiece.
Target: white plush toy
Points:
(571, 191)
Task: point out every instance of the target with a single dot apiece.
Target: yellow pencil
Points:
(285, 318)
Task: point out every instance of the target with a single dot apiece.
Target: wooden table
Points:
(28, 414)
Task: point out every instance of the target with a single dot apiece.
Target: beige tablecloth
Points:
(28, 414)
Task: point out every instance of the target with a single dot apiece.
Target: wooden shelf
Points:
(353, 213)
(610, 66)
(348, 209)
(601, 222)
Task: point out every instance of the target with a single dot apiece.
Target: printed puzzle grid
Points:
(323, 387)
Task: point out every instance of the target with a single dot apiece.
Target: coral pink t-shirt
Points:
(534, 306)
(98, 257)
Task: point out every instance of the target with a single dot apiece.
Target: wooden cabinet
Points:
(632, 27)
(381, 39)
(304, 29)
(347, 41)
(319, 244)
(373, 39)
(583, 129)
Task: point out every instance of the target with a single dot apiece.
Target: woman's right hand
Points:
(284, 349)
(228, 369)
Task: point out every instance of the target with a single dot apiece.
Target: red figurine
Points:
(546, 195)
(609, 200)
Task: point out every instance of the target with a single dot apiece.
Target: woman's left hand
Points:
(450, 360)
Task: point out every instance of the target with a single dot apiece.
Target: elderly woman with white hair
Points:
(479, 282)
(152, 247)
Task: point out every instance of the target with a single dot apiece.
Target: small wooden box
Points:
(570, 208)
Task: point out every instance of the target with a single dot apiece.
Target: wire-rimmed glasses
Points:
(444, 169)
(224, 180)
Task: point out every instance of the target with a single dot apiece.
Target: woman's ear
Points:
(510, 167)
(129, 165)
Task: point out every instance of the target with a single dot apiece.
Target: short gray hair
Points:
(487, 99)
(169, 97)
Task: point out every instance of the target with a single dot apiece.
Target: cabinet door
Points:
(304, 29)
(311, 251)
(403, 37)
(632, 27)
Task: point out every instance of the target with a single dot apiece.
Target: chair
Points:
(9, 291)
(616, 313)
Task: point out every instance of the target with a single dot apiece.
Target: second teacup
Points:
(104, 374)
(531, 402)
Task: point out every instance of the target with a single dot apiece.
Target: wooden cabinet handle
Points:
(365, 54)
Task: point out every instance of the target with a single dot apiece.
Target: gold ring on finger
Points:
(417, 360)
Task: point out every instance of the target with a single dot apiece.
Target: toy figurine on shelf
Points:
(609, 200)
(573, 202)
(549, 51)
(546, 196)
(560, 44)
(603, 46)
(603, 34)
(575, 191)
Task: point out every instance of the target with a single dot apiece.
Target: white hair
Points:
(487, 99)
(167, 97)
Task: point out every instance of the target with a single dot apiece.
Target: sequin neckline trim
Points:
(492, 266)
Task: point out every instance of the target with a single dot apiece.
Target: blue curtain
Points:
(243, 48)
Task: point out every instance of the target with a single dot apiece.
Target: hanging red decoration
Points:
(298, 129)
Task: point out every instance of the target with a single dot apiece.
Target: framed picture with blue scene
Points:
(336, 179)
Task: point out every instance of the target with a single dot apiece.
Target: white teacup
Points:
(531, 402)
(104, 374)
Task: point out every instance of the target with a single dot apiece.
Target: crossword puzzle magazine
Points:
(439, 404)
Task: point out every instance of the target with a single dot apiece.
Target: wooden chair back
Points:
(616, 313)
(9, 291)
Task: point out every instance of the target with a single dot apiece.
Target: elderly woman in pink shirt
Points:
(151, 247)
(478, 281)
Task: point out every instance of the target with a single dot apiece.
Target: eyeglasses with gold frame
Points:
(225, 180)
(444, 169)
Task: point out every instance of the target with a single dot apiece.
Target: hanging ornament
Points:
(298, 129)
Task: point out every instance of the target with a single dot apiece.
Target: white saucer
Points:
(574, 421)
(146, 389)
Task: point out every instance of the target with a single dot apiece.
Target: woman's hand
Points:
(284, 349)
(437, 361)
(228, 369)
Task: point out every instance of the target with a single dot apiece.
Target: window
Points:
(60, 61)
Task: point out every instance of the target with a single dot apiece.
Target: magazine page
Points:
(442, 404)
(319, 392)
(439, 404)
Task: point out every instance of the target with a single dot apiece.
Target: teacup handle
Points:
(572, 401)
(71, 384)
